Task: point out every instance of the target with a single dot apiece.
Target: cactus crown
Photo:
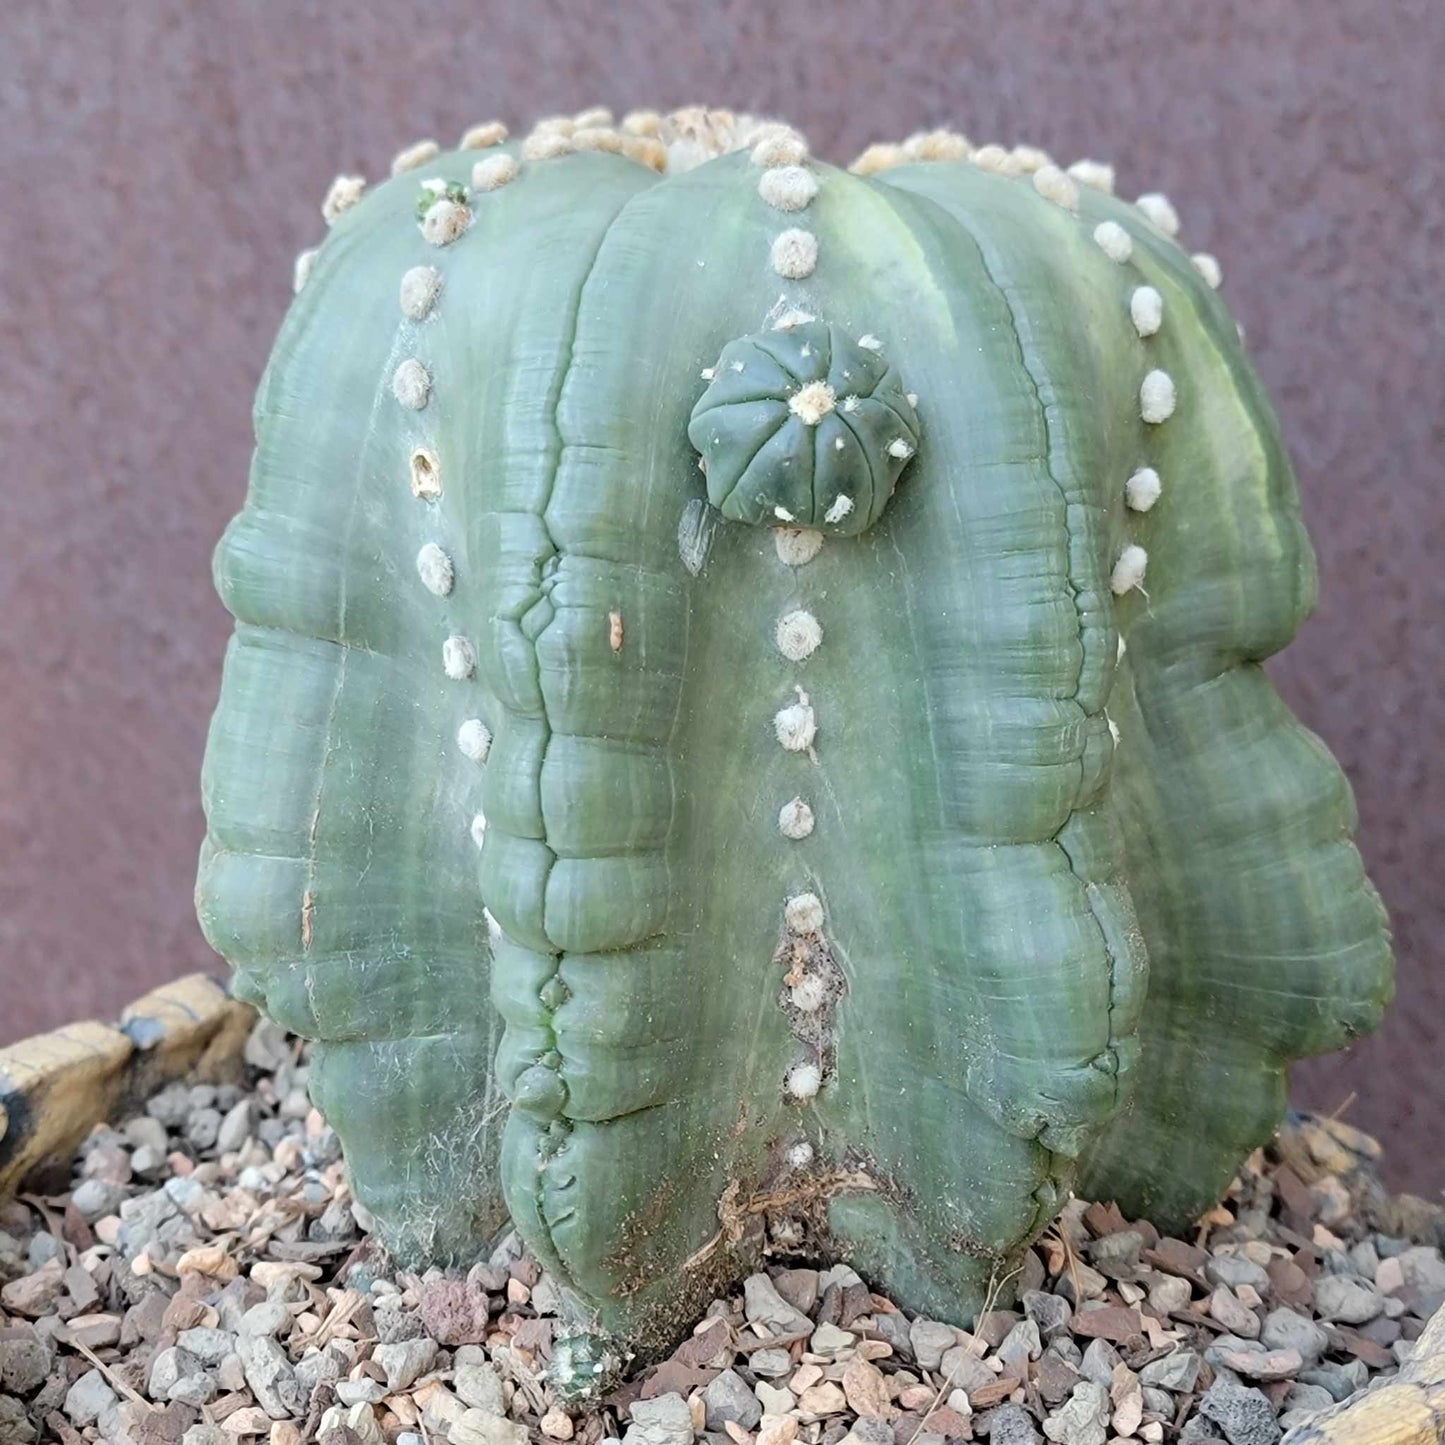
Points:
(806, 426)
(700, 792)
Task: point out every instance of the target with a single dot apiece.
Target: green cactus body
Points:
(663, 849)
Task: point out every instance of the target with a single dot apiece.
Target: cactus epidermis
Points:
(656, 872)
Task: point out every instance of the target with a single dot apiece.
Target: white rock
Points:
(663, 1420)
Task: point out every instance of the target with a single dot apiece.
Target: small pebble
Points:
(930, 1339)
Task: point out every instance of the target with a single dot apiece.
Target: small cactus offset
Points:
(745, 724)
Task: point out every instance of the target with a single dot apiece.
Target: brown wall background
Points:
(162, 162)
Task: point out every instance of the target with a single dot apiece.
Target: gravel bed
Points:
(207, 1280)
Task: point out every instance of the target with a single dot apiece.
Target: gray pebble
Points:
(1329, 1377)
(1235, 1270)
(202, 1127)
(145, 1132)
(476, 1427)
(209, 1346)
(205, 1435)
(1222, 1345)
(1424, 1269)
(1346, 1300)
(546, 1297)
(894, 1329)
(141, 1218)
(1067, 1349)
(509, 1249)
(272, 1131)
(15, 1426)
(1198, 1429)
(477, 1382)
(184, 1192)
(964, 1368)
(270, 1376)
(1251, 1224)
(1011, 1425)
(170, 1106)
(42, 1249)
(269, 1317)
(1363, 1259)
(236, 1127)
(364, 1391)
(1022, 1343)
(89, 1398)
(763, 1305)
(1236, 1316)
(1117, 1255)
(1244, 1415)
(318, 1367)
(1308, 1397)
(337, 1223)
(930, 1338)
(1168, 1293)
(1084, 1278)
(1098, 1363)
(876, 1432)
(663, 1420)
(267, 1047)
(167, 1367)
(405, 1361)
(1050, 1312)
(830, 1340)
(770, 1364)
(324, 1149)
(1084, 1419)
(728, 1399)
(24, 1360)
(1177, 1372)
(1158, 1402)
(148, 1162)
(97, 1197)
(1284, 1329)
(198, 1389)
(231, 1304)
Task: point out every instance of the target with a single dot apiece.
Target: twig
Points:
(990, 1298)
(1071, 1262)
(52, 1227)
(83, 1349)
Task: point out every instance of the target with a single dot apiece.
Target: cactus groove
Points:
(742, 669)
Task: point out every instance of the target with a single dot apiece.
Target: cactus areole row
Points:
(745, 726)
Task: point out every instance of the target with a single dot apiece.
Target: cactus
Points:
(741, 668)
